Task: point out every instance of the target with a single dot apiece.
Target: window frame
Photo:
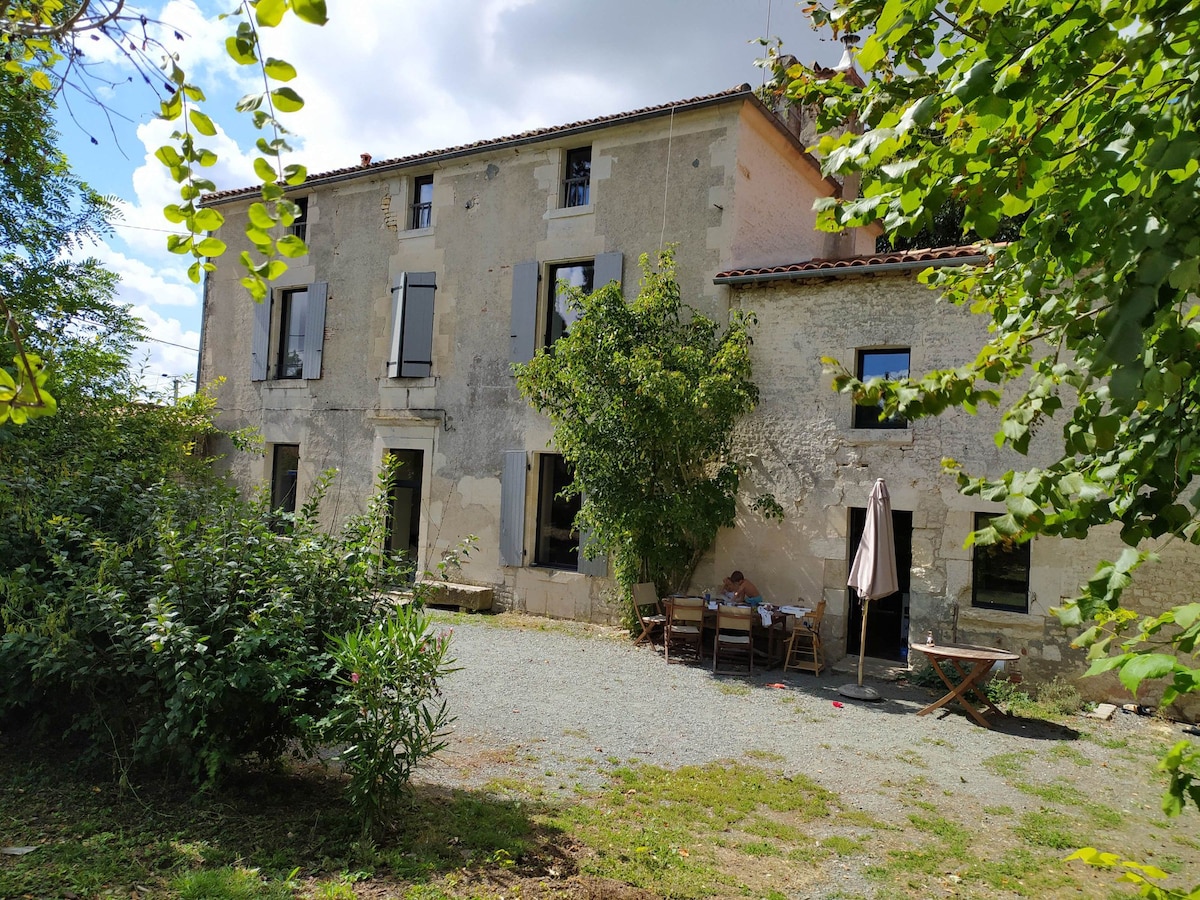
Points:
(981, 520)
(287, 321)
(555, 508)
(289, 479)
(577, 188)
(867, 417)
(547, 325)
(420, 212)
(299, 226)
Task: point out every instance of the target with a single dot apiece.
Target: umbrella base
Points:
(859, 692)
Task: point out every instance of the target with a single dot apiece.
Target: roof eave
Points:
(844, 271)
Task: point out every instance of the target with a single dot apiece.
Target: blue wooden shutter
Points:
(598, 567)
(607, 268)
(416, 342)
(260, 340)
(512, 509)
(524, 312)
(393, 365)
(314, 330)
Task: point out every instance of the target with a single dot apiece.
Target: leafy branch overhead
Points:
(1079, 121)
(41, 47)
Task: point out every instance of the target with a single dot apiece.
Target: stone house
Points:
(820, 455)
(428, 276)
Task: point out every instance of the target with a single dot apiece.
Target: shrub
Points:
(387, 714)
(176, 627)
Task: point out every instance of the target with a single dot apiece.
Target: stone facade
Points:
(802, 447)
(721, 177)
(409, 333)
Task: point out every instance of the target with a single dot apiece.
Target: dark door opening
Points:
(887, 621)
(404, 510)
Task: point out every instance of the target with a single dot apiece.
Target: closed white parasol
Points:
(873, 572)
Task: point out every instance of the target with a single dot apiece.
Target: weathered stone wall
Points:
(672, 179)
(802, 448)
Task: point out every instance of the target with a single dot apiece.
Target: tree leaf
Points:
(279, 69)
(202, 123)
(286, 100)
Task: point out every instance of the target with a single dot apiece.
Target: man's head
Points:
(737, 577)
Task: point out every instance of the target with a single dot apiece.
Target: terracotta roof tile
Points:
(742, 90)
(849, 263)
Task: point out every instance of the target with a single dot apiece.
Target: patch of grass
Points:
(775, 829)
(998, 810)
(844, 846)
(760, 849)
(733, 689)
(1009, 765)
(1047, 828)
(229, 884)
(857, 818)
(1057, 791)
(765, 755)
(1067, 752)
(659, 829)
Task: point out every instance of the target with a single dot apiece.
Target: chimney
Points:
(366, 158)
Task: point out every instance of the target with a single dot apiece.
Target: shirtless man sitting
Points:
(742, 588)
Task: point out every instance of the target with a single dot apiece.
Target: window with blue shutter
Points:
(512, 509)
(411, 346)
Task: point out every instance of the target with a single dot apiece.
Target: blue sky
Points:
(390, 78)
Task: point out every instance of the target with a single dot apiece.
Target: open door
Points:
(887, 624)
(404, 510)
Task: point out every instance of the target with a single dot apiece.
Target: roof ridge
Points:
(531, 134)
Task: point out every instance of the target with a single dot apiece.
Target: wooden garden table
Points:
(980, 661)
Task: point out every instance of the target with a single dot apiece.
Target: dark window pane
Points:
(284, 465)
(880, 364)
(299, 226)
(293, 315)
(557, 539)
(421, 215)
(560, 314)
(1000, 579)
(577, 184)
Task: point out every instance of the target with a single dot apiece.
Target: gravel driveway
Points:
(562, 703)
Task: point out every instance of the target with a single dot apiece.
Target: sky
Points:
(391, 78)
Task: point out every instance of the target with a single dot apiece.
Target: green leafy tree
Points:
(643, 396)
(1080, 117)
(41, 49)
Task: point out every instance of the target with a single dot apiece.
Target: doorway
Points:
(404, 509)
(887, 622)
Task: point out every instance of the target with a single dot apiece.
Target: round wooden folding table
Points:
(972, 663)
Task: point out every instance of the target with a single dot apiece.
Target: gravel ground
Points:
(562, 702)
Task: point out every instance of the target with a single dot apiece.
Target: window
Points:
(578, 177)
(285, 462)
(293, 317)
(289, 334)
(540, 317)
(421, 208)
(1000, 573)
(411, 348)
(560, 316)
(299, 226)
(557, 539)
(880, 364)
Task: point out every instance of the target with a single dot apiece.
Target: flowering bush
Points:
(389, 714)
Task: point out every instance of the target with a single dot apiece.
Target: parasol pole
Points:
(862, 641)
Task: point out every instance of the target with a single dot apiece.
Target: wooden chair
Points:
(805, 652)
(685, 624)
(734, 625)
(649, 612)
